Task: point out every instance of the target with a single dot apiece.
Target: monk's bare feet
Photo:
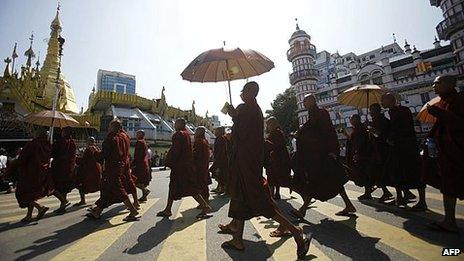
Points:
(347, 211)
(385, 197)
(303, 242)
(137, 206)
(227, 229)
(234, 245)
(133, 216)
(62, 208)
(444, 226)
(42, 212)
(26, 219)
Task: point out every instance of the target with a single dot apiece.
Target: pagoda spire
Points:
(30, 53)
(6, 73)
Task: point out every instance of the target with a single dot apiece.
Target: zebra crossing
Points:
(378, 231)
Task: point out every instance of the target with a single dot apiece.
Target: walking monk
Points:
(277, 163)
(34, 182)
(63, 166)
(402, 168)
(182, 181)
(115, 154)
(201, 162)
(448, 132)
(141, 165)
(249, 192)
(318, 174)
(220, 165)
(88, 171)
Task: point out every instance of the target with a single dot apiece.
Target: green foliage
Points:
(284, 109)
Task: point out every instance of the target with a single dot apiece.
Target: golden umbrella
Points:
(223, 64)
(424, 115)
(361, 96)
(51, 119)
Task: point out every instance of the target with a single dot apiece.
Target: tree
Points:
(284, 109)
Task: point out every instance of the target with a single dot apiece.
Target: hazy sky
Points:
(156, 40)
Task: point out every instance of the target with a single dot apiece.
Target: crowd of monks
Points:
(381, 153)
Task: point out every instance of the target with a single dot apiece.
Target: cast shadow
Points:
(253, 251)
(68, 235)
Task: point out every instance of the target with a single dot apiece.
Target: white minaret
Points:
(302, 55)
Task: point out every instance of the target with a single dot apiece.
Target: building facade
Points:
(115, 82)
(405, 71)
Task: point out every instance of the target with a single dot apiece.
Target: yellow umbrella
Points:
(361, 96)
(424, 115)
(51, 119)
(223, 64)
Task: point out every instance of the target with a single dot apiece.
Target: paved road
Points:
(378, 231)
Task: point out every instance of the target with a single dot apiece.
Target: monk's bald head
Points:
(444, 85)
(388, 100)
(180, 124)
(309, 101)
(250, 91)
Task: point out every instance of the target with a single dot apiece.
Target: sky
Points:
(156, 40)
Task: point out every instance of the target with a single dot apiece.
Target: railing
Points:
(450, 25)
(299, 50)
(303, 75)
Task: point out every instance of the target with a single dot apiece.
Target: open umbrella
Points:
(424, 115)
(361, 96)
(222, 64)
(51, 119)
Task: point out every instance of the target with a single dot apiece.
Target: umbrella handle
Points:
(230, 94)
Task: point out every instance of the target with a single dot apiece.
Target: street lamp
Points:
(57, 83)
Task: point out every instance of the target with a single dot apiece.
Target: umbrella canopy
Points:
(222, 64)
(361, 96)
(51, 119)
(424, 115)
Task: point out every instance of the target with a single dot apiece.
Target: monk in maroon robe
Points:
(34, 182)
(403, 165)
(220, 165)
(89, 171)
(318, 174)
(448, 133)
(63, 165)
(357, 157)
(130, 180)
(379, 129)
(250, 196)
(201, 162)
(277, 163)
(182, 182)
(115, 154)
(141, 165)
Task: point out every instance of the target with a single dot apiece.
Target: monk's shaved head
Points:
(180, 124)
(252, 88)
(309, 101)
(388, 100)
(445, 84)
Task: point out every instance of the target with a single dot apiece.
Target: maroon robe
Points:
(201, 164)
(182, 181)
(64, 164)
(448, 132)
(250, 195)
(316, 174)
(378, 148)
(89, 170)
(278, 165)
(130, 179)
(357, 156)
(115, 153)
(221, 160)
(34, 181)
(141, 163)
(403, 165)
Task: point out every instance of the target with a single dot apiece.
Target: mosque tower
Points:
(302, 55)
(48, 72)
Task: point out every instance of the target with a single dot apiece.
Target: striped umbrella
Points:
(51, 119)
(223, 64)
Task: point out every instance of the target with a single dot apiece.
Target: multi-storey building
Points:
(408, 72)
(116, 82)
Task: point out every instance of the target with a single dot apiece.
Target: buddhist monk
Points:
(141, 165)
(34, 181)
(115, 154)
(201, 162)
(182, 181)
(448, 132)
(379, 128)
(220, 160)
(130, 180)
(318, 174)
(63, 166)
(88, 171)
(357, 156)
(402, 167)
(248, 188)
(277, 163)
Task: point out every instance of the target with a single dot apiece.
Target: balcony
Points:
(307, 74)
(297, 50)
(450, 25)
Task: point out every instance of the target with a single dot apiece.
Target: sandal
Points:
(130, 218)
(26, 220)
(280, 233)
(345, 213)
(225, 229)
(42, 213)
(303, 249)
(164, 214)
(229, 245)
(203, 216)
